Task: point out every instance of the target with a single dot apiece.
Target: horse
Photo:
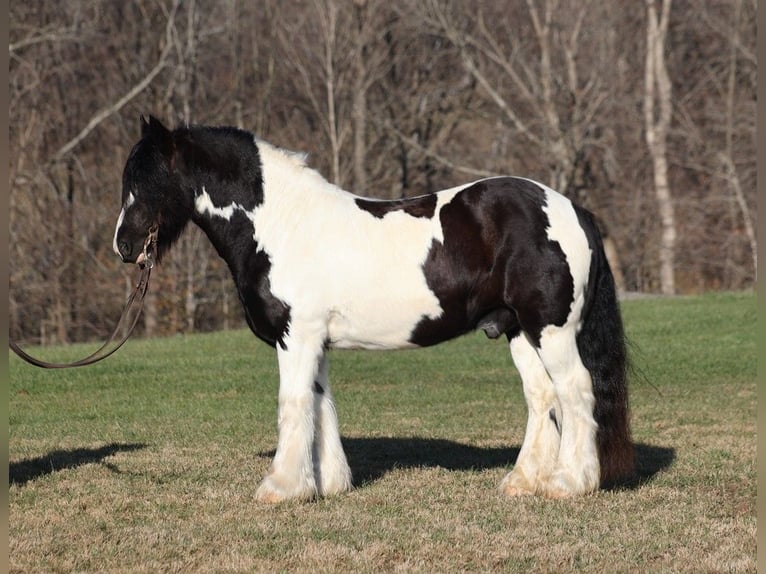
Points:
(318, 268)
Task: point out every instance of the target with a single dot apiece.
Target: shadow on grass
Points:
(650, 460)
(23, 471)
(371, 458)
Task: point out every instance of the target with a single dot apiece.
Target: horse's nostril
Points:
(125, 249)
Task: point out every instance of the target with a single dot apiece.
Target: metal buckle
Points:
(149, 247)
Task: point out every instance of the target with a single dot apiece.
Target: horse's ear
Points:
(156, 132)
(144, 126)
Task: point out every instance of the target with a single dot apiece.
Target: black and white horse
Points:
(318, 268)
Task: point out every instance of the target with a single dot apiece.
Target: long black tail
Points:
(601, 343)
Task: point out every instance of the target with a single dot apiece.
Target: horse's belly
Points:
(381, 325)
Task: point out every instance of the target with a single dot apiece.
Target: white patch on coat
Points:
(130, 201)
(357, 276)
(577, 468)
(204, 204)
(331, 469)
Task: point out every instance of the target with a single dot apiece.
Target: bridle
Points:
(135, 299)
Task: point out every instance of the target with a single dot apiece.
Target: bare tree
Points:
(536, 80)
(316, 47)
(547, 83)
(422, 107)
(392, 98)
(658, 93)
(726, 156)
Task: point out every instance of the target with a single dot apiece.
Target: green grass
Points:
(149, 460)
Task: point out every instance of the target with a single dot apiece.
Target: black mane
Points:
(224, 157)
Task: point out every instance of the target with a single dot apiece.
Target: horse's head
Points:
(153, 195)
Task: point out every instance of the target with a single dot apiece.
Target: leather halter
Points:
(135, 299)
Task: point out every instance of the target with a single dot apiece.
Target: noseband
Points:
(134, 303)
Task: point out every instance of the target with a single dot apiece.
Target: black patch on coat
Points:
(422, 206)
(267, 316)
(165, 170)
(227, 163)
(222, 159)
(497, 269)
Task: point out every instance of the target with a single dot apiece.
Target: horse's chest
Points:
(267, 315)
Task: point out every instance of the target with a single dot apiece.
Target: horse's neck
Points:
(294, 193)
(288, 180)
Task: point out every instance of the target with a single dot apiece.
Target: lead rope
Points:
(135, 298)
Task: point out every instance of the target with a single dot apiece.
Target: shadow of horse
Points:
(23, 471)
(372, 458)
(650, 461)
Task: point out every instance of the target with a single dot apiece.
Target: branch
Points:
(55, 36)
(104, 113)
(433, 155)
(455, 37)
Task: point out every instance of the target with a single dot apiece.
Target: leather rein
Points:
(135, 299)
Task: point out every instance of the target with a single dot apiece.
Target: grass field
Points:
(148, 461)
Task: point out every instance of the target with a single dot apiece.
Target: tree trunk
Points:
(727, 157)
(359, 112)
(658, 93)
(612, 256)
(225, 304)
(329, 20)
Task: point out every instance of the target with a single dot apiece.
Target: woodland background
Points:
(642, 111)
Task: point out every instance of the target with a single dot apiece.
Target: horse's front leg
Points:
(292, 471)
(331, 469)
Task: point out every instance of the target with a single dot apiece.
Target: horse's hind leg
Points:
(577, 466)
(330, 466)
(539, 451)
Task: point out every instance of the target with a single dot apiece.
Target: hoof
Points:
(339, 486)
(563, 485)
(516, 484)
(513, 491)
(270, 492)
(269, 497)
(556, 494)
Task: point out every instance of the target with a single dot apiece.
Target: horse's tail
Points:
(601, 342)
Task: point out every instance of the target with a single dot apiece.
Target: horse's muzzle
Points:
(128, 252)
